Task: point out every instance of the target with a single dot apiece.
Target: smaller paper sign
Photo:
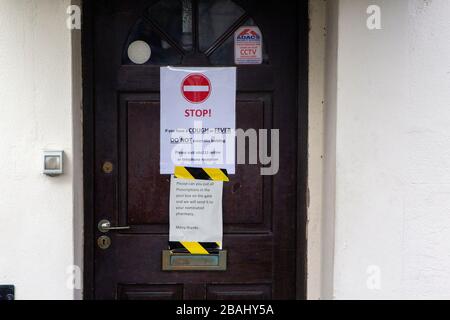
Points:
(195, 210)
(248, 46)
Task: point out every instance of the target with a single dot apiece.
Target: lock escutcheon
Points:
(104, 242)
(108, 167)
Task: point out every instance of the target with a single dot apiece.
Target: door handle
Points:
(105, 226)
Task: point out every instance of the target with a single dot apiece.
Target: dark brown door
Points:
(260, 212)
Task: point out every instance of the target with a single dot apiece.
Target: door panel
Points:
(142, 174)
(150, 292)
(238, 292)
(139, 114)
(260, 227)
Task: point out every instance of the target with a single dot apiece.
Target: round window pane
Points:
(139, 52)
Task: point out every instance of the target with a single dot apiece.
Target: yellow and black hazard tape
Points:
(195, 247)
(212, 174)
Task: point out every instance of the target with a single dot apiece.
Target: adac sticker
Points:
(248, 45)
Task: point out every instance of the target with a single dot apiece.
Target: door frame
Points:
(87, 44)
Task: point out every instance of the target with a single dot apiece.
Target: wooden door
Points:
(261, 229)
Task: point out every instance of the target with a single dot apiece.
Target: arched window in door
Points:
(198, 32)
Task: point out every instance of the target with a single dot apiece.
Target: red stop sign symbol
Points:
(196, 88)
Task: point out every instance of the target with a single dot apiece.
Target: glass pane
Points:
(215, 17)
(224, 55)
(161, 53)
(175, 18)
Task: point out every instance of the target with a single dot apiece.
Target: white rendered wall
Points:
(36, 97)
(392, 138)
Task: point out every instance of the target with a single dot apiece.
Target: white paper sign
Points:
(198, 118)
(248, 45)
(195, 210)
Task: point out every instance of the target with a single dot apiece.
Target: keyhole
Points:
(104, 242)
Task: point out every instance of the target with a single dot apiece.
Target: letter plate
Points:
(172, 261)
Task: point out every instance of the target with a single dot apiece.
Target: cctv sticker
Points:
(248, 46)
